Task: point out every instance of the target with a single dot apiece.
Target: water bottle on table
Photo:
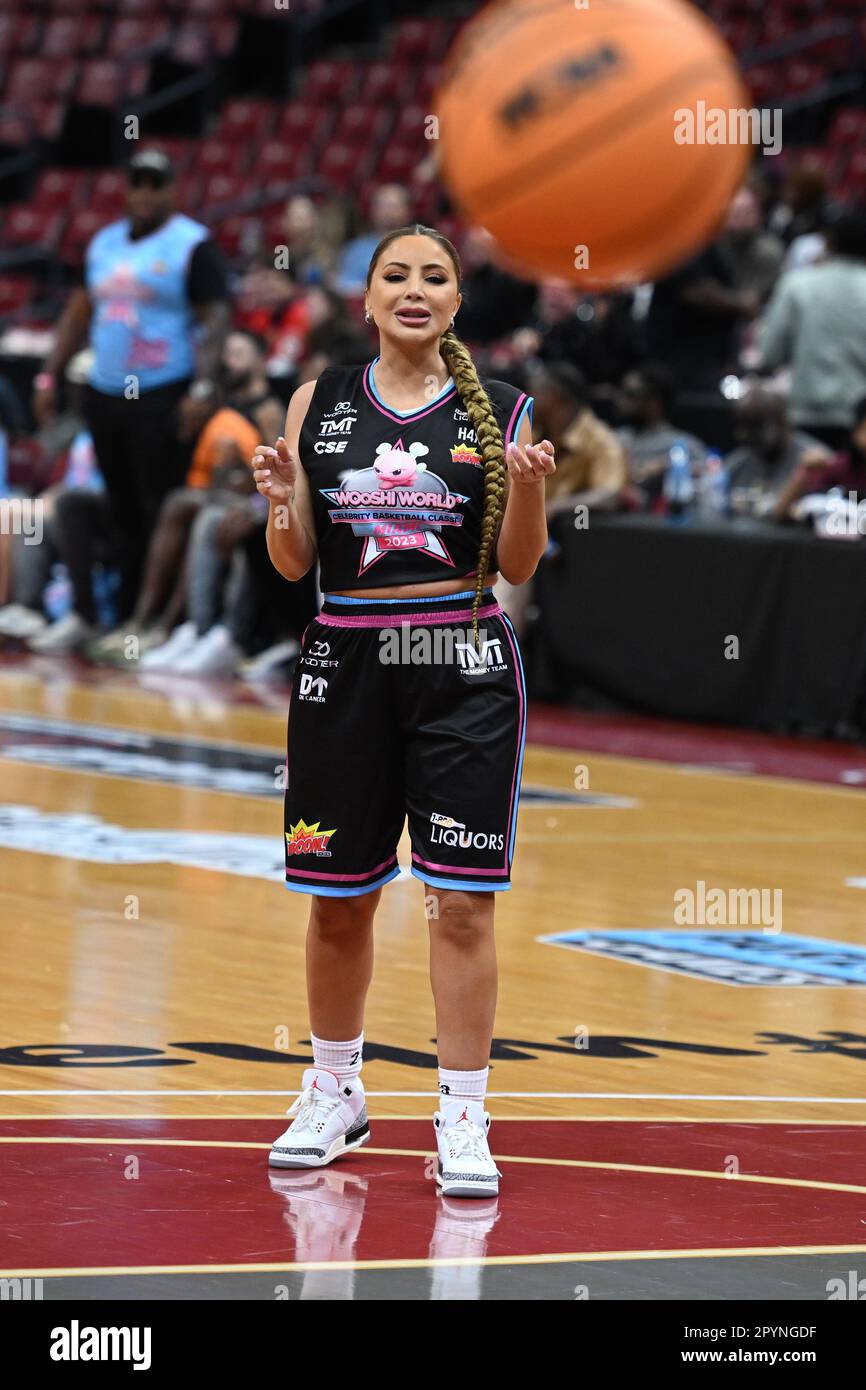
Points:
(678, 488)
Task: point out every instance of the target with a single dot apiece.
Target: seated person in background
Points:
(768, 453)
(250, 414)
(590, 467)
(590, 464)
(67, 460)
(646, 434)
(816, 473)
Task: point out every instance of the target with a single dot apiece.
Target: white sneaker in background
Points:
(163, 658)
(466, 1167)
(66, 635)
(330, 1119)
(269, 661)
(18, 621)
(215, 654)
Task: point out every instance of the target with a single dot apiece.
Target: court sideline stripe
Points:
(491, 1095)
(568, 1257)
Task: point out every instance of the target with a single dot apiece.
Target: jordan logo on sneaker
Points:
(464, 1116)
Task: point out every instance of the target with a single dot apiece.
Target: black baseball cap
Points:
(152, 164)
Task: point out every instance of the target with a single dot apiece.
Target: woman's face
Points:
(413, 293)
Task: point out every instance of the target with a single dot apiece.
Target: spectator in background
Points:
(310, 256)
(155, 305)
(74, 470)
(273, 306)
(802, 208)
(696, 317)
(590, 464)
(594, 332)
(390, 207)
(332, 338)
(590, 467)
(815, 322)
(846, 471)
(246, 414)
(768, 453)
(495, 301)
(647, 435)
(754, 255)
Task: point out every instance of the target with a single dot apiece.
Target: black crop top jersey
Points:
(397, 497)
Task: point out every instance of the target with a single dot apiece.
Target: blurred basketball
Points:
(563, 128)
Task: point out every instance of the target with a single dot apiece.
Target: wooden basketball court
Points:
(678, 1105)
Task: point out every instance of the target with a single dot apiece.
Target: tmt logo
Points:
(488, 658)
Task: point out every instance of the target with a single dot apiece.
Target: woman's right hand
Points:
(276, 472)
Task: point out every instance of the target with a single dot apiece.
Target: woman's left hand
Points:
(531, 463)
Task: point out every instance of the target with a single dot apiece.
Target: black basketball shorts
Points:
(393, 714)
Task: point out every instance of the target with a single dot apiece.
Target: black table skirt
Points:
(637, 613)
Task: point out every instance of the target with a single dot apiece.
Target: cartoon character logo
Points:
(397, 504)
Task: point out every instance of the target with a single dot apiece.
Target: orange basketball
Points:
(595, 144)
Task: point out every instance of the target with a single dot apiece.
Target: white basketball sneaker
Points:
(466, 1167)
(330, 1120)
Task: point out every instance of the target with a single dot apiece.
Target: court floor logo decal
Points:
(729, 958)
(76, 835)
(104, 751)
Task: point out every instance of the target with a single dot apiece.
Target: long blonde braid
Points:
(459, 362)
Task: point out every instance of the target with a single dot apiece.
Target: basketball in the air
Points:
(598, 142)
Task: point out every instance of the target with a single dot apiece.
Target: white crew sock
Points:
(343, 1058)
(463, 1085)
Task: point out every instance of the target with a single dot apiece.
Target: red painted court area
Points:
(204, 1195)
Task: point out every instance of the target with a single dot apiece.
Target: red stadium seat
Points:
(187, 194)
(420, 40)
(819, 157)
(66, 34)
(410, 127)
(108, 194)
(339, 164)
(397, 163)
(281, 160)
(223, 188)
(385, 83)
(60, 190)
(764, 82)
(80, 229)
(365, 127)
(20, 33)
(198, 41)
(24, 226)
(35, 78)
(247, 120)
(849, 126)
(303, 123)
(802, 76)
(103, 82)
(220, 157)
(15, 292)
(331, 82)
(130, 36)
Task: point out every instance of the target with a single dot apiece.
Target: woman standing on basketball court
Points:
(414, 484)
